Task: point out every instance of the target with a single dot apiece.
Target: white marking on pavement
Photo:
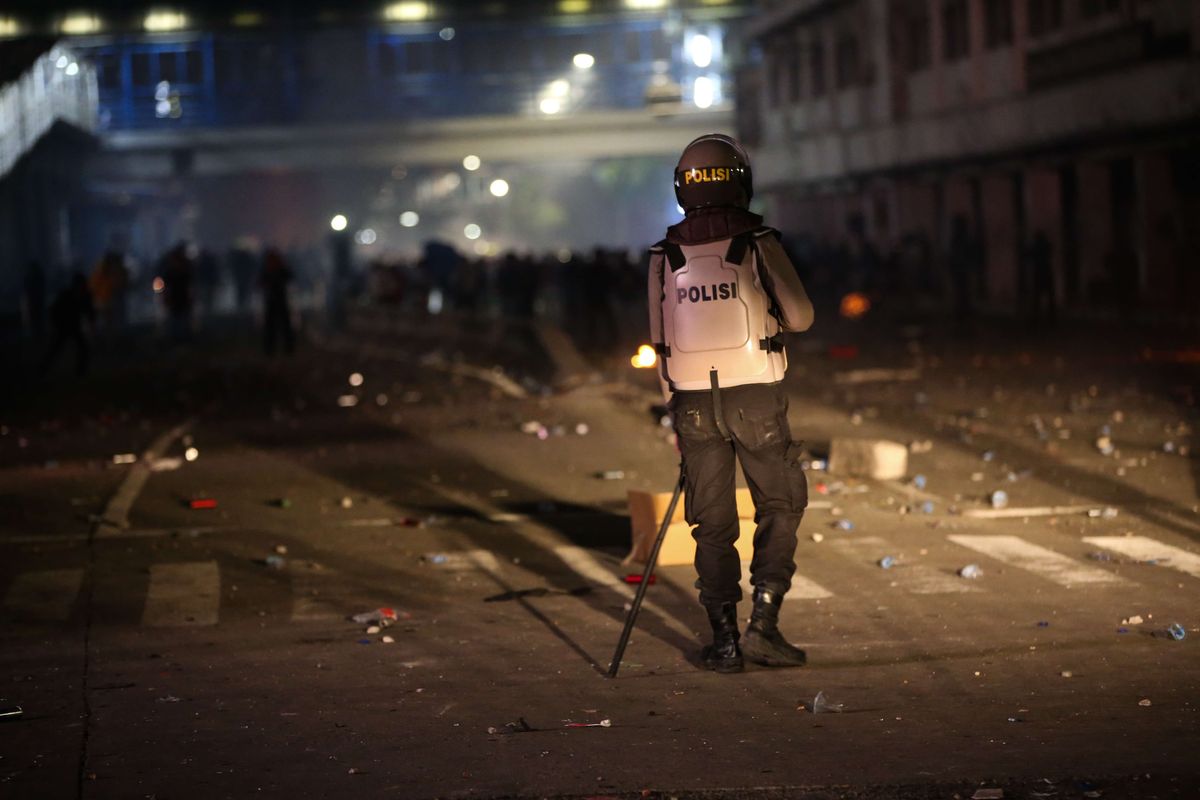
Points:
(1034, 511)
(1016, 552)
(116, 513)
(913, 578)
(802, 588)
(46, 595)
(1143, 548)
(183, 594)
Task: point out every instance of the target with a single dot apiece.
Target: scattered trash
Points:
(520, 726)
(275, 562)
(604, 723)
(844, 525)
(988, 455)
(1030, 511)
(170, 698)
(927, 507)
(202, 502)
(822, 704)
(1136, 619)
(347, 401)
(921, 446)
(347, 502)
(435, 558)
(988, 794)
(124, 458)
(10, 713)
(281, 549)
(387, 640)
(611, 475)
(165, 464)
(998, 499)
(1066, 673)
(410, 522)
(281, 502)
(1104, 445)
(918, 481)
(1108, 512)
(582, 429)
(887, 562)
(1176, 631)
(818, 537)
(1043, 624)
(1145, 702)
(372, 629)
(1122, 630)
(191, 454)
(970, 571)
(1168, 447)
(382, 615)
(637, 578)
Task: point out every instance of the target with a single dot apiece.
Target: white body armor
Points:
(716, 315)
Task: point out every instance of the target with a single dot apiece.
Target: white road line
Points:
(914, 578)
(802, 588)
(1016, 552)
(116, 513)
(183, 594)
(47, 595)
(1143, 548)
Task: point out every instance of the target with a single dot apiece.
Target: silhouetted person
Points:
(72, 307)
(176, 271)
(277, 316)
(109, 282)
(33, 288)
(1041, 264)
(208, 278)
(961, 258)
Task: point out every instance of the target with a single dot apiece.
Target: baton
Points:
(641, 591)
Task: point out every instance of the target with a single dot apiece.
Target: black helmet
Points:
(714, 170)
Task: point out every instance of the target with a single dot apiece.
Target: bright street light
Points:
(583, 61)
(472, 231)
(550, 105)
(409, 219)
(499, 187)
(471, 163)
(339, 222)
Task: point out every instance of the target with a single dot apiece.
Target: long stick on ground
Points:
(651, 560)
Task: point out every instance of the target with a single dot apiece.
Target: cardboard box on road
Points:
(646, 512)
(868, 458)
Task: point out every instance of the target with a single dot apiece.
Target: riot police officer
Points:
(722, 292)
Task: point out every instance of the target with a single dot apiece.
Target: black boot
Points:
(723, 655)
(764, 644)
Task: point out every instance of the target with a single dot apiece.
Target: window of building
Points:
(998, 23)
(168, 67)
(847, 73)
(816, 68)
(795, 75)
(956, 29)
(193, 66)
(918, 39)
(1096, 8)
(1045, 16)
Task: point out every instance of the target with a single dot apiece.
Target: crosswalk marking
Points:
(913, 578)
(1016, 552)
(183, 594)
(802, 588)
(1143, 548)
(46, 595)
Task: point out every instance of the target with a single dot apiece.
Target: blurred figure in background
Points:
(277, 315)
(109, 283)
(241, 269)
(72, 308)
(176, 270)
(33, 290)
(208, 279)
(1040, 255)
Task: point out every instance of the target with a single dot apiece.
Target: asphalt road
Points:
(161, 650)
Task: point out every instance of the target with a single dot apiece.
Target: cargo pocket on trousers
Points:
(796, 480)
(758, 428)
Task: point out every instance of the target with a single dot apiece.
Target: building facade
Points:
(997, 152)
